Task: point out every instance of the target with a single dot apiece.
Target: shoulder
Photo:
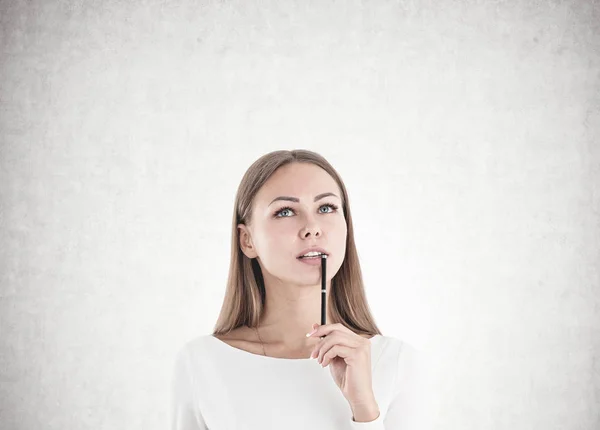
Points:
(192, 346)
(401, 347)
(241, 338)
(401, 354)
(239, 334)
(406, 353)
(206, 345)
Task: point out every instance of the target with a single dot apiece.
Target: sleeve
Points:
(376, 424)
(409, 408)
(184, 412)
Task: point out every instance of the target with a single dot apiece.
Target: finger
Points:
(349, 354)
(335, 338)
(342, 351)
(324, 330)
(325, 344)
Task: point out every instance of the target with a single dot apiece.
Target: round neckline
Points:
(262, 357)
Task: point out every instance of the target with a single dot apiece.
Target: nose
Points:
(316, 234)
(311, 229)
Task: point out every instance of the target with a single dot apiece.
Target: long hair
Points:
(245, 294)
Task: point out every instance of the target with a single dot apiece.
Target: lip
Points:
(310, 261)
(313, 249)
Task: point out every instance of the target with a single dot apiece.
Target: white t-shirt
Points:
(219, 387)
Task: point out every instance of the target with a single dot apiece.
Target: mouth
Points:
(314, 251)
(316, 261)
(312, 257)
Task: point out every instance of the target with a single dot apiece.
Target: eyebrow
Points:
(295, 199)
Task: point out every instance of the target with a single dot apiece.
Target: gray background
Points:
(467, 134)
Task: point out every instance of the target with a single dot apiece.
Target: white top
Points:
(219, 387)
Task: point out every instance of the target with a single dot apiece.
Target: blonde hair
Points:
(245, 292)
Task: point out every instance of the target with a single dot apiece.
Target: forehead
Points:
(300, 180)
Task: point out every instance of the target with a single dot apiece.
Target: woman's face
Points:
(279, 235)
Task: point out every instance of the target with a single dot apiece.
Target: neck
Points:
(289, 313)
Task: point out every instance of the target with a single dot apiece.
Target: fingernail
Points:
(311, 333)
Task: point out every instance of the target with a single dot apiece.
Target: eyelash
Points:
(331, 205)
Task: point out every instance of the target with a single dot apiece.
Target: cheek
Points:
(278, 237)
(280, 231)
(340, 229)
(336, 238)
(342, 238)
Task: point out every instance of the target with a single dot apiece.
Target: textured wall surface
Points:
(467, 134)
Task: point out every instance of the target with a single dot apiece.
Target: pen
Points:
(323, 289)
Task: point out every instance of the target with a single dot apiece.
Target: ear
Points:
(246, 244)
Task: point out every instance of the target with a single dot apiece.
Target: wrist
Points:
(365, 412)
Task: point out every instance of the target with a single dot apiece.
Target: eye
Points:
(333, 208)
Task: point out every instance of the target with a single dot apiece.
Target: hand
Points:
(349, 358)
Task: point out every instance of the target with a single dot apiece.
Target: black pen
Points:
(323, 289)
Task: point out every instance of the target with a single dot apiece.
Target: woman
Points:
(256, 370)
